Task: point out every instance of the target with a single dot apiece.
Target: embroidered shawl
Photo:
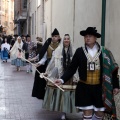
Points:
(109, 65)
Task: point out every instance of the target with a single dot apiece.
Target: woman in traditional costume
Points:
(16, 54)
(5, 47)
(55, 99)
(45, 56)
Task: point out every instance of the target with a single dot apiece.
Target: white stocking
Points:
(87, 117)
(95, 117)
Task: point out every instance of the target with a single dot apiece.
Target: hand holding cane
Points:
(42, 75)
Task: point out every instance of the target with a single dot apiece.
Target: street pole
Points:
(103, 22)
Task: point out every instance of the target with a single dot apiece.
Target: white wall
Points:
(72, 16)
(113, 28)
(62, 16)
(87, 13)
(32, 12)
(47, 17)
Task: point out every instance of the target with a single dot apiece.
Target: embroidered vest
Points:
(92, 76)
(51, 48)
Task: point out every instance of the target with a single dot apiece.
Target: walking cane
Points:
(41, 74)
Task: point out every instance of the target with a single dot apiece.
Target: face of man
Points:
(28, 39)
(55, 38)
(5, 39)
(90, 40)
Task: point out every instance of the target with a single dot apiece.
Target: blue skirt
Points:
(4, 55)
(18, 62)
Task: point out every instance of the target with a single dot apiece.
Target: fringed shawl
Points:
(109, 66)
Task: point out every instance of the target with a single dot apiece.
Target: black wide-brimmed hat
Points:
(90, 31)
(55, 32)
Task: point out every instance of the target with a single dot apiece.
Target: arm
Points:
(36, 57)
(115, 79)
(2, 47)
(12, 49)
(34, 46)
(42, 61)
(73, 67)
(9, 48)
(115, 82)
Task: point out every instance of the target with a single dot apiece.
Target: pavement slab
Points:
(16, 102)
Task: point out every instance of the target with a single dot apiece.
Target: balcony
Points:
(20, 17)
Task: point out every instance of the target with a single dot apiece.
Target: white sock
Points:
(27, 67)
(95, 117)
(87, 117)
(63, 116)
(30, 67)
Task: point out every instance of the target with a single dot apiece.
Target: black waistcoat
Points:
(79, 62)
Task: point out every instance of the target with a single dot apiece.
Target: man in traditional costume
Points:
(30, 51)
(44, 57)
(98, 77)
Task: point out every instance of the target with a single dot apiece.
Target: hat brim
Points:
(83, 33)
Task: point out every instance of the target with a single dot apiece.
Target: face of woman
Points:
(19, 40)
(5, 40)
(66, 41)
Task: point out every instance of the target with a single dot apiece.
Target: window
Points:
(33, 23)
(25, 4)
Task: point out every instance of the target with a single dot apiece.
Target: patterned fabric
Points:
(51, 48)
(97, 64)
(92, 77)
(18, 62)
(4, 55)
(56, 100)
(109, 65)
(67, 55)
(108, 117)
(32, 49)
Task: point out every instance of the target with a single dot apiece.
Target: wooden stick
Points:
(42, 75)
(53, 82)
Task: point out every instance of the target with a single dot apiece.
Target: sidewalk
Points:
(16, 102)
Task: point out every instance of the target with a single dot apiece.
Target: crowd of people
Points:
(18, 48)
(88, 75)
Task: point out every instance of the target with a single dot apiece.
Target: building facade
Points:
(35, 18)
(72, 16)
(20, 17)
(7, 16)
